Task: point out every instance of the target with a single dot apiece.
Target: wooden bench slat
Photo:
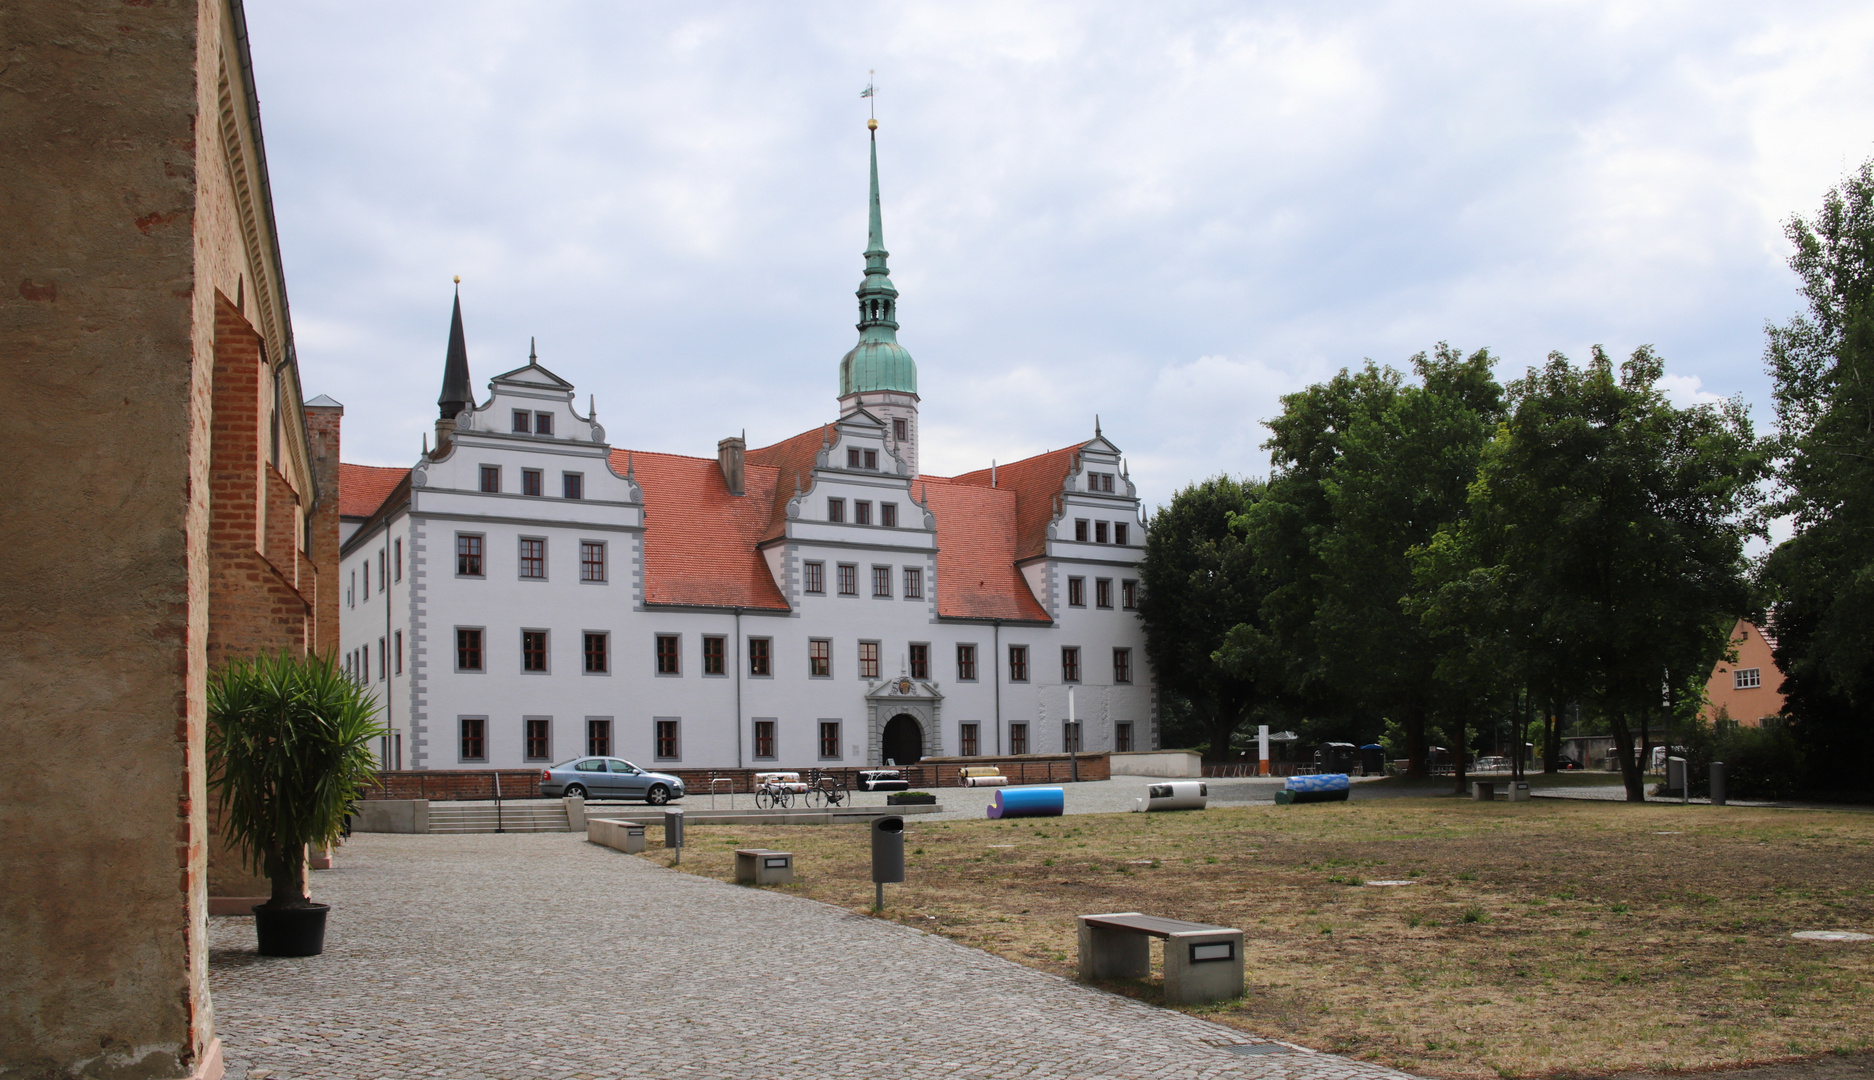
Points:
(1152, 924)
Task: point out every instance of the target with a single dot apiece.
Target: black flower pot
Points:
(291, 931)
(917, 798)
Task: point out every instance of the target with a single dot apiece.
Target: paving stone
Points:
(541, 957)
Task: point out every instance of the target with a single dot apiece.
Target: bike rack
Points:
(715, 780)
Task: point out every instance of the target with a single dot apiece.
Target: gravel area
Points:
(526, 956)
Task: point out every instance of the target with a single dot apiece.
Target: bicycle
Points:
(826, 789)
(777, 789)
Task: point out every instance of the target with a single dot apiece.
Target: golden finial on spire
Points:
(871, 125)
(458, 279)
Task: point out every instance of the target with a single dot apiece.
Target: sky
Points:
(1166, 215)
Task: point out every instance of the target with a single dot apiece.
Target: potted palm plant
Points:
(288, 752)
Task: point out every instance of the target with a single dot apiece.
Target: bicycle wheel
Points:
(816, 797)
(764, 799)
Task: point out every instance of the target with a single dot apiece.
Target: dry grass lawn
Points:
(1540, 939)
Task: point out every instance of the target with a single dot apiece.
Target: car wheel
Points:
(574, 791)
(658, 795)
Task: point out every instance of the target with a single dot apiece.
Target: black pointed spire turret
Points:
(456, 393)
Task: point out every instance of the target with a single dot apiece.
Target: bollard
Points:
(1717, 783)
(887, 856)
(1678, 778)
(673, 832)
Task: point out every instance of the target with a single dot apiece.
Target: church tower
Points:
(878, 375)
(456, 396)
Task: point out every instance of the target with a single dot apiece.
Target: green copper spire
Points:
(878, 362)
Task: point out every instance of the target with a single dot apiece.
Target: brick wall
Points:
(322, 432)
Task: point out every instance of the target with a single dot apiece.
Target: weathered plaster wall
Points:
(132, 198)
(101, 620)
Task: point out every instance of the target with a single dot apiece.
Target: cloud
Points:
(1685, 391)
(1167, 215)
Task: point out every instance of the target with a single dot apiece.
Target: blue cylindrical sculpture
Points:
(1028, 802)
(1327, 787)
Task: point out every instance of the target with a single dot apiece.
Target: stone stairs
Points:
(480, 817)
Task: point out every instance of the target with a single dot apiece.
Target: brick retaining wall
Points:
(443, 785)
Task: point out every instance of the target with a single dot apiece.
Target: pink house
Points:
(1748, 690)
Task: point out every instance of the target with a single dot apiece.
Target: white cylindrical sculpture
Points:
(1175, 795)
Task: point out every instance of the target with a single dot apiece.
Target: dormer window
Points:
(543, 425)
(1100, 481)
(523, 422)
(852, 457)
(888, 515)
(861, 459)
(871, 460)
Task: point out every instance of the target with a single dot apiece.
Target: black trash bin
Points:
(888, 849)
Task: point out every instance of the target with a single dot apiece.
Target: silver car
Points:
(608, 778)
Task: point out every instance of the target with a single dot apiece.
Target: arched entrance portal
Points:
(903, 740)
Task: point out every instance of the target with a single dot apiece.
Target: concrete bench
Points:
(760, 866)
(1202, 962)
(625, 836)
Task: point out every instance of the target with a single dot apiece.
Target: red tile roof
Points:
(1035, 482)
(363, 488)
(792, 459)
(699, 540)
(701, 544)
(976, 573)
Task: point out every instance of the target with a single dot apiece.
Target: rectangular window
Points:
(868, 659)
(861, 512)
(474, 738)
(881, 581)
(1122, 665)
(1018, 738)
(1747, 678)
(530, 482)
(852, 457)
(820, 658)
(970, 739)
(1120, 532)
(599, 738)
(871, 459)
(491, 478)
(533, 559)
(1077, 592)
(523, 422)
(539, 743)
(1070, 663)
(598, 653)
(759, 662)
(382, 577)
(667, 654)
(1100, 481)
(591, 560)
(396, 563)
(888, 515)
(366, 594)
(364, 663)
(351, 594)
(533, 650)
(848, 579)
(914, 583)
(966, 663)
(1099, 532)
(669, 746)
(813, 577)
(713, 649)
(900, 429)
(543, 423)
(573, 485)
(1103, 592)
(1018, 663)
(1129, 595)
(468, 649)
(383, 660)
(1080, 529)
(836, 509)
(1070, 737)
(764, 738)
(829, 740)
(398, 637)
(920, 661)
(1122, 737)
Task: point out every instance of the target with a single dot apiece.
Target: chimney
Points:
(729, 455)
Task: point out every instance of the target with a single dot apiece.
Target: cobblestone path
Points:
(522, 956)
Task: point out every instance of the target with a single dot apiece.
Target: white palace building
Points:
(528, 592)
